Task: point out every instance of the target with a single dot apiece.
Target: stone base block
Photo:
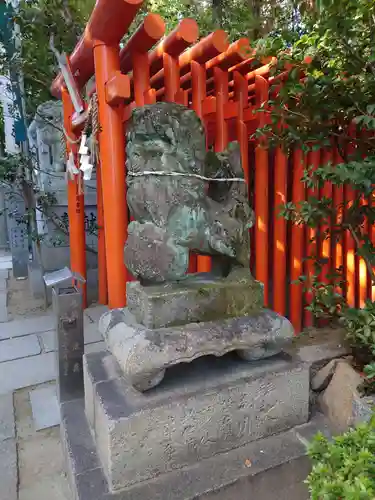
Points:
(273, 468)
(197, 298)
(144, 354)
(201, 410)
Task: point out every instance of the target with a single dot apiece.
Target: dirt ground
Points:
(40, 458)
(21, 301)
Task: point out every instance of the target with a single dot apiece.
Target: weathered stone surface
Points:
(323, 377)
(144, 354)
(251, 471)
(174, 209)
(8, 470)
(197, 298)
(67, 305)
(202, 409)
(7, 421)
(97, 367)
(337, 400)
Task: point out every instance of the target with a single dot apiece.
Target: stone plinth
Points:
(197, 298)
(202, 409)
(145, 354)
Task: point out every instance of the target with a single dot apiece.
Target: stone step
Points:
(200, 410)
(272, 468)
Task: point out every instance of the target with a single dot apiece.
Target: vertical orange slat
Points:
(201, 263)
(261, 196)
(241, 96)
(362, 267)
(325, 243)
(297, 244)
(112, 149)
(76, 204)
(221, 90)
(311, 244)
(338, 200)
(349, 254)
(171, 77)
(141, 78)
(280, 233)
(102, 264)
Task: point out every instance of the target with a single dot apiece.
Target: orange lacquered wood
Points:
(112, 149)
(76, 204)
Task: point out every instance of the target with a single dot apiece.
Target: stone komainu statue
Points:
(178, 213)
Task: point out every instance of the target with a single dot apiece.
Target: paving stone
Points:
(4, 274)
(20, 347)
(6, 264)
(92, 337)
(3, 284)
(25, 372)
(7, 422)
(92, 334)
(48, 341)
(28, 326)
(45, 407)
(8, 470)
(95, 313)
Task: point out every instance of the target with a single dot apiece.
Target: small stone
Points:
(363, 408)
(337, 400)
(323, 377)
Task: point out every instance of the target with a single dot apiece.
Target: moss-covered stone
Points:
(195, 299)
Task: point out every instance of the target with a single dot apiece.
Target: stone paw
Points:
(150, 382)
(260, 352)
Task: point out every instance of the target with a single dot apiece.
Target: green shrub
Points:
(344, 468)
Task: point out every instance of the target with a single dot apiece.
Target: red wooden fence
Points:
(224, 84)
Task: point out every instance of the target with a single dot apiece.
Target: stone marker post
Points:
(67, 307)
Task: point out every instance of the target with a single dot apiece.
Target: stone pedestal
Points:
(184, 410)
(200, 410)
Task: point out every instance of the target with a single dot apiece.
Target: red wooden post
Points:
(102, 263)
(261, 196)
(112, 148)
(280, 233)
(311, 243)
(198, 74)
(297, 244)
(241, 96)
(325, 245)
(338, 242)
(76, 202)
